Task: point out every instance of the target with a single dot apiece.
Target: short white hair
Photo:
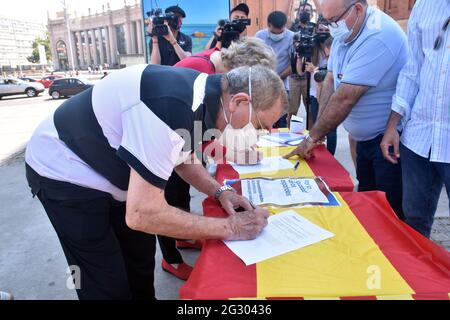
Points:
(267, 86)
(249, 51)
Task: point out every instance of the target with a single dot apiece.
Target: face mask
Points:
(305, 17)
(239, 141)
(342, 32)
(276, 37)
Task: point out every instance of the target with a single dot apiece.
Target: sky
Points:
(198, 11)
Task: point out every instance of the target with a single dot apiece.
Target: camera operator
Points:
(298, 82)
(241, 11)
(280, 39)
(175, 46)
(303, 19)
(318, 70)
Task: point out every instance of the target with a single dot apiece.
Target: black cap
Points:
(241, 7)
(176, 9)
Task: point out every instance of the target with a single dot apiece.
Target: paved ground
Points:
(32, 265)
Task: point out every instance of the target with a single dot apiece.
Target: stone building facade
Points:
(106, 37)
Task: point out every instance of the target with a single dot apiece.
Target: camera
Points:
(321, 74)
(306, 41)
(159, 19)
(231, 30)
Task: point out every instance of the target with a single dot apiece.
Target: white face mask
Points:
(239, 141)
(342, 32)
(276, 37)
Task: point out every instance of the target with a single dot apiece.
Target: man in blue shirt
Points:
(281, 40)
(368, 52)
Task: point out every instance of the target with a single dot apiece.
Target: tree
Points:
(34, 58)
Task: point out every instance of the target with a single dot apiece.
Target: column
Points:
(80, 49)
(108, 46)
(133, 37)
(94, 47)
(102, 52)
(113, 43)
(127, 27)
(55, 59)
(88, 48)
(73, 61)
(140, 41)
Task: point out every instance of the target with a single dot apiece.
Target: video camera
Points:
(231, 30)
(307, 40)
(159, 19)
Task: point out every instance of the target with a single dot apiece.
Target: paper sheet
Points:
(285, 232)
(271, 164)
(264, 143)
(283, 138)
(283, 192)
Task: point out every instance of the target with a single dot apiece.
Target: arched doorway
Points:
(61, 50)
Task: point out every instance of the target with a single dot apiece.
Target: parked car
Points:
(68, 87)
(28, 79)
(47, 81)
(14, 86)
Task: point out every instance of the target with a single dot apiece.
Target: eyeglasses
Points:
(440, 38)
(334, 23)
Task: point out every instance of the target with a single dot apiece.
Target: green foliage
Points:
(34, 58)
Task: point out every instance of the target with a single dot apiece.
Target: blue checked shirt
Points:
(423, 88)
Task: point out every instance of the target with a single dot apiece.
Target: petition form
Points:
(285, 232)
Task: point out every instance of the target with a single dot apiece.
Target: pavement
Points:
(32, 264)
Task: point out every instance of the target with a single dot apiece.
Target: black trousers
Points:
(177, 195)
(115, 262)
(376, 173)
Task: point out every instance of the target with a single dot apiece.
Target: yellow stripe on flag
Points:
(349, 264)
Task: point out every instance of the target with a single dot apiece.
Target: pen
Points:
(296, 165)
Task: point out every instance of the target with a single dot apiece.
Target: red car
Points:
(47, 81)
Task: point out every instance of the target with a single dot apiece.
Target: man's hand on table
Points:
(247, 225)
(304, 149)
(231, 201)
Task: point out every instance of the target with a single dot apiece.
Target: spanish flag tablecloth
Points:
(374, 255)
(323, 165)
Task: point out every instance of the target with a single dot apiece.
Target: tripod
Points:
(308, 93)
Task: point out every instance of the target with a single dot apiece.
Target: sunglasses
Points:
(334, 23)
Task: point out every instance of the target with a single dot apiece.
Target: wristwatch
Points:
(308, 138)
(221, 190)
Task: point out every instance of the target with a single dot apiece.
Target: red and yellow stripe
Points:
(368, 235)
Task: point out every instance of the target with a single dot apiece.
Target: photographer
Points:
(298, 81)
(175, 46)
(241, 11)
(318, 70)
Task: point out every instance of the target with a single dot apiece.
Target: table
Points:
(374, 255)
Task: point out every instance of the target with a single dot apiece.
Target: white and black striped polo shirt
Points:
(126, 120)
